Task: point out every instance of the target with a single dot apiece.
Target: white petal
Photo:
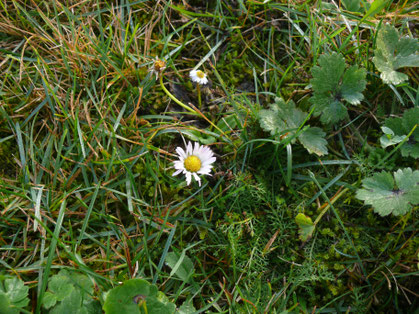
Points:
(208, 161)
(189, 149)
(181, 152)
(177, 172)
(188, 178)
(197, 178)
(196, 149)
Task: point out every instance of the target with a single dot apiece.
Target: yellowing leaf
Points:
(306, 226)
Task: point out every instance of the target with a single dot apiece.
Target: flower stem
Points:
(175, 99)
(198, 88)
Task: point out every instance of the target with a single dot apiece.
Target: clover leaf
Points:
(393, 53)
(333, 84)
(396, 129)
(388, 195)
(284, 119)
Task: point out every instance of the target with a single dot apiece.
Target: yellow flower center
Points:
(159, 65)
(200, 74)
(192, 163)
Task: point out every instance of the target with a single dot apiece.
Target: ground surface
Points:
(88, 138)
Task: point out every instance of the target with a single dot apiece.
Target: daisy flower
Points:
(195, 160)
(198, 77)
(158, 67)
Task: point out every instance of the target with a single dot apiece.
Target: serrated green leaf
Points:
(331, 111)
(60, 286)
(393, 53)
(353, 84)
(72, 303)
(328, 73)
(16, 293)
(70, 293)
(270, 120)
(284, 119)
(313, 140)
(305, 226)
(332, 85)
(49, 300)
(391, 196)
(401, 127)
(5, 305)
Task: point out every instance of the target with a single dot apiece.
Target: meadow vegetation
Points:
(311, 109)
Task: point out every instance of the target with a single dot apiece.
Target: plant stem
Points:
(175, 99)
(198, 88)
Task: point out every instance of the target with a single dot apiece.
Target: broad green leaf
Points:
(13, 295)
(186, 308)
(137, 296)
(396, 129)
(313, 140)
(49, 300)
(393, 53)
(72, 303)
(332, 85)
(17, 291)
(284, 119)
(305, 226)
(5, 305)
(352, 85)
(181, 265)
(60, 286)
(70, 293)
(388, 195)
(375, 8)
(389, 138)
(352, 5)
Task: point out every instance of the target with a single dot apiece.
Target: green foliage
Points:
(181, 265)
(137, 296)
(305, 226)
(396, 130)
(389, 138)
(352, 5)
(393, 53)
(284, 120)
(13, 295)
(186, 308)
(391, 196)
(88, 127)
(71, 293)
(332, 84)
